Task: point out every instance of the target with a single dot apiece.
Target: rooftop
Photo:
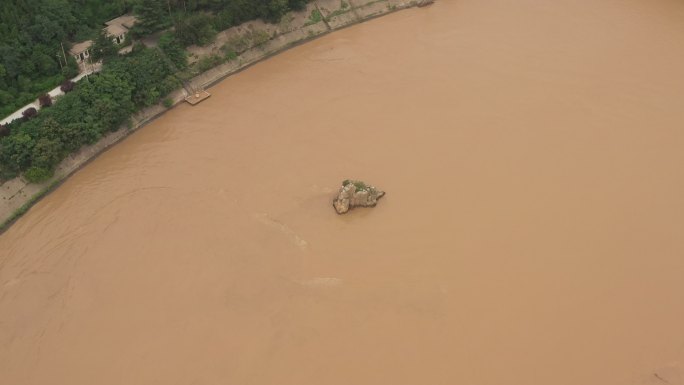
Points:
(115, 30)
(80, 47)
(126, 21)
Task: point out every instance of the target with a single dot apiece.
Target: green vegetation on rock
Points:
(360, 186)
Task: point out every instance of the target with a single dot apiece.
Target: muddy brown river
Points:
(532, 233)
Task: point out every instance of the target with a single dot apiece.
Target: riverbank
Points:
(318, 19)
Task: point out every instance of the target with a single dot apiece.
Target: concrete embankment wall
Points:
(17, 195)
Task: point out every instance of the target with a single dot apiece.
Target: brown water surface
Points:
(532, 233)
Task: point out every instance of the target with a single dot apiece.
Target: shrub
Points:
(237, 44)
(45, 100)
(71, 69)
(146, 71)
(297, 5)
(37, 174)
(169, 84)
(46, 153)
(67, 86)
(168, 102)
(224, 20)
(272, 10)
(315, 17)
(48, 83)
(241, 43)
(7, 174)
(103, 47)
(4, 130)
(173, 50)
(138, 46)
(259, 37)
(360, 186)
(15, 151)
(195, 29)
(128, 40)
(230, 55)
(29, 113)
(152, 16)
(209, 62)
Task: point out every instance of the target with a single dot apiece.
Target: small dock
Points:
(197, 97)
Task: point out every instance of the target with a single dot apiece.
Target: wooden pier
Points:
(197, 97)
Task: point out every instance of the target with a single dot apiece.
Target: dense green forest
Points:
(83, 115)
(193, 18)
(31, 32)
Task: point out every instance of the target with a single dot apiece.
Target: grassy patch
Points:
(259, 38)
(286, 22)
(230, 55)
(209, 62)
(37, 174)
(314, 18)
(241, 43)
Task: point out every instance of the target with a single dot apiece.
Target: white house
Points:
(117, 33)
(81, 51)
(116, 29)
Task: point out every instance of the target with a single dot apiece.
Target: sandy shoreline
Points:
(18, 196)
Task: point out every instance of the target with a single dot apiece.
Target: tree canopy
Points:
(97, 105)
(31, 34)
(32, 62)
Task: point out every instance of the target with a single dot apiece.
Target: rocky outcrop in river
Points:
(354, 193)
